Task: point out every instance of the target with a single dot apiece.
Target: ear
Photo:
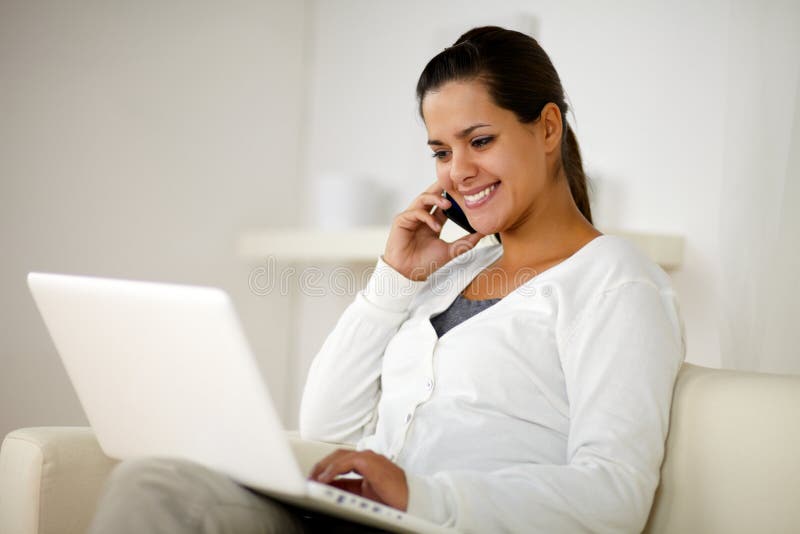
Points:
(551, 126)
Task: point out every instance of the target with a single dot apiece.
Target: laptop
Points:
(165, 370)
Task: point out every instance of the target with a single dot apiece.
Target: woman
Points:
(518, 387)
(546, 408)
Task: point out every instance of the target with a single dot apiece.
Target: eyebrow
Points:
(462, 134)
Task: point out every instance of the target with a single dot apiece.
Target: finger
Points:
(320, 466)
(440, 216)
(427, 200)
(361, 462)
(353, 485)
(338, 466)
(382, 480)
(410, 220)
(434, 188)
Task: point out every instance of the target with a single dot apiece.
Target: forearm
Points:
(594, 497)
(343, 385)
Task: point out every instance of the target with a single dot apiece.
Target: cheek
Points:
(443, 175)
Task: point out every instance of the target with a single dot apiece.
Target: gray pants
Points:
(176, 497)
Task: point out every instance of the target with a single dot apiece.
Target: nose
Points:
(462, 167)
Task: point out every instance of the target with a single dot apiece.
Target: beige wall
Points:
(136, 140)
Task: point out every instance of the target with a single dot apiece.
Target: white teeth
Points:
(477, 196)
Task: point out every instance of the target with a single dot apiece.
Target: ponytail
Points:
(573, 168)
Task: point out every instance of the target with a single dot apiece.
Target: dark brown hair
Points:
(520, 78)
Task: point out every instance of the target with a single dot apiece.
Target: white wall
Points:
(137, 140)
(647, 85)
(759, 282)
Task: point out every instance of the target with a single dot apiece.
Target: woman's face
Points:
(494, 166)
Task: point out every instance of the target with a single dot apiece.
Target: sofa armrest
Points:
(51, 477)
(50, 480)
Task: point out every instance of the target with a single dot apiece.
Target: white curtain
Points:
(759, 224)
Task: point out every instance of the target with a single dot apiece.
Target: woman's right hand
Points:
(414, 248)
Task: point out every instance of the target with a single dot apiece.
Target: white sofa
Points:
(732, 463)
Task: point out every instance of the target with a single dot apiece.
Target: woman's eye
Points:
(440, 154)
(482, 141)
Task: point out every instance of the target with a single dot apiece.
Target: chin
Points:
(484, 228)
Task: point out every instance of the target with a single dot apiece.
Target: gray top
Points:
(459, 311)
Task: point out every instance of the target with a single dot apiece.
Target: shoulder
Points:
(611, 261)
(608, 268)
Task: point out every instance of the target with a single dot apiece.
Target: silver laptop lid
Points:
(165, 370)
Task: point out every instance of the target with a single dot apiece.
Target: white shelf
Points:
(298, 245)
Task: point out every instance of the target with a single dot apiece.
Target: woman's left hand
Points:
(381, 480)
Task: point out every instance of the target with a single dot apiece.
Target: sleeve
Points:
(620, 364)
(341, 394)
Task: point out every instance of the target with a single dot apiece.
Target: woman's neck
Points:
(554, 230)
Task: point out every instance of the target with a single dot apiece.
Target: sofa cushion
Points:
(732, 460)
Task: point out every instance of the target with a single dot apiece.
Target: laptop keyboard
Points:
(344, 498)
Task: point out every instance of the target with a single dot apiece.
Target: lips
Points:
(479, 196)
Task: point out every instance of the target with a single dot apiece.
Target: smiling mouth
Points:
(482, 197)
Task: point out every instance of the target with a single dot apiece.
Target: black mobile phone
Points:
(456, 214)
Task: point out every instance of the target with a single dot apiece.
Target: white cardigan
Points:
(546, 412)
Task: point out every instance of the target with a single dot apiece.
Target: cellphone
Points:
(456, 214)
